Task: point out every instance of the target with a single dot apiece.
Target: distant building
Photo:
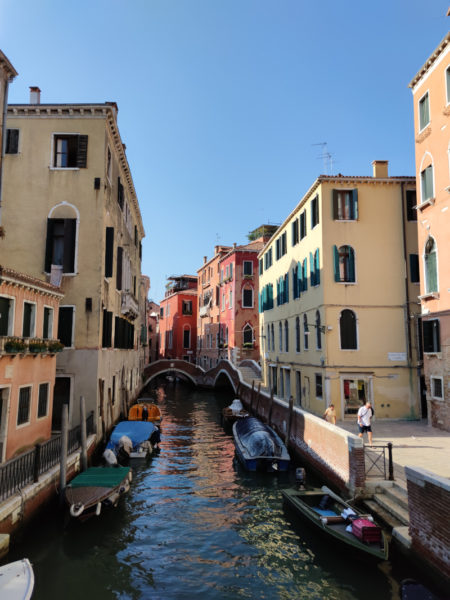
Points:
(153, 310)
(75, 221)
(338, 291)
(431, 95)
(178, 318)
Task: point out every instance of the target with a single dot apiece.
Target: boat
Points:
(133, 439)
(16, 580)
(145, 410)
(232, 413)
(258, 447)
(338, 520)
(96, 488)
(410, 589)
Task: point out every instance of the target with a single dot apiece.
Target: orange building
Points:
(28, 327)
(178, 319)
(431, 95)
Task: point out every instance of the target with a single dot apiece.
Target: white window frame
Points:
(33, 318)
(4, 418)
(11, 315)
(253, 297)
(38, 418)
(434, 378)
(25, 424)
(247, 262)
(51, 321)
(420, 129)
(55, 134)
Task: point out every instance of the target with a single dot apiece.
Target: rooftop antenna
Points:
(327, 158)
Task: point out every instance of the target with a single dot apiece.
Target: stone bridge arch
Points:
(183, 367)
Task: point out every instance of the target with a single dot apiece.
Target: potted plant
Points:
(247, 345)
(14, 345)
(37, 346)
(55, 346)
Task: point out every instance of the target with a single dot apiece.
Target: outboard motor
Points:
(300, 478)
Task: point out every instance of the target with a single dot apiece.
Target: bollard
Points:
(83, 434)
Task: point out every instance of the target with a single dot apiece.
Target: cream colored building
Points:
(338, 298)
(72, 217)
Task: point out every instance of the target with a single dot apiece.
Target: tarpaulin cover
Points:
(256, 438)
(109, 477)
(137, 431)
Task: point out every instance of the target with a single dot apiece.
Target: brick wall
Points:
(429, 523)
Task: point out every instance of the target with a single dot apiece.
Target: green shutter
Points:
(311, 269)
(354, 205)
(337, 276)
(305, 274)
(334, 205)
(351, 264)
(431, 272)
(317, 267)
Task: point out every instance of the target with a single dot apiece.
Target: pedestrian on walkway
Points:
(365, 414)
(330, 415)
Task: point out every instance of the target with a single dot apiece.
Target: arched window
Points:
(431, 279)
(344, 264)
(305, 332)
(286, 336)
(248, 335)
(61, 242)
(347, 328)
(297, 334)
(318, 332)
(280, 331)
(273, 338)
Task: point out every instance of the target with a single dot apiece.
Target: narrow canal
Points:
(195, 525)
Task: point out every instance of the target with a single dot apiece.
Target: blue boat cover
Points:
(137, 431)
(256, 438)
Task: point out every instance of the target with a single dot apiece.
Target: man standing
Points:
(364, 420)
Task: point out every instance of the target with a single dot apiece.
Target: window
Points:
(431, 278)
(109, 164)
(120, 194)
(6, 315)
(247, 298)
(65, 325)
(345, 205)
(318, 385)
(437, 388)
(347, 328)
(305, 275)
(60, 244)
(305, 332)
(426, 180)
(295, 282)
(261, 266)
(248, 267)
(248, 335)
(314, 212)
(344, 264)
(23, 411)
(303, 224)
(161, 312)
(318, 331)
(186, 338)
(273, 338)
(12, 141)
(414, 268)
(286, 336)
(187, 307)
(295, 237)
(268, 339)
(280, 339)
(223, 301)
(314, 265)
(431, 335)
(297, 334)
(280, 246)
(230, 299)
(411, 203)
(109, 251)
(29, 319)
(123, 334)
(107, 329)
(283, 290)
(424, 111)
(70, 151)
(47, 328)
(43, 400)
(447, 80)
(268, 259)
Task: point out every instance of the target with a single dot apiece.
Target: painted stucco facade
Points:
(178, 319)
(338, 305)
(75, 220)
(431, 97)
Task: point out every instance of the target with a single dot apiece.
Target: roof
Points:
(430, 61)
(11, 276)
(7, 67)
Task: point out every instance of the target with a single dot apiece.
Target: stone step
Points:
(393, 507)
(399, 495)
(381, 515)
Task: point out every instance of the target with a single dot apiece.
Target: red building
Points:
(178, 319)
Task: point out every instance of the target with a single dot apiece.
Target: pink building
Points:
(28, 327)
(178, 319)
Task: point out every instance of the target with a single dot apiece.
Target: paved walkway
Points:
(415, 444)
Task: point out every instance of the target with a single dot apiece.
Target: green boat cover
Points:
(108, 477)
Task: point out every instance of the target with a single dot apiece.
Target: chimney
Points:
(205, 258)
(35, 95)
(380, 169)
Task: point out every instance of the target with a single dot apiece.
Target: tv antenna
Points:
(327, 158)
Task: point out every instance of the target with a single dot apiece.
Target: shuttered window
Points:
(424, 111)
(109, 251)
(119, 268)
(60, 244)
(107, 329)
(47, 328)
(426, 179)
(344, 264)
(303, 224)
(347, 327)
(70, 151)
(345, 205)
(65, 325)
(411, 203)
(43, 400)
(12, 141)
(431, 336)
(295, 237)
(431, 278)
(23, 411)
(314, 212)
(414, 268)
(29, 311)
(186, 338)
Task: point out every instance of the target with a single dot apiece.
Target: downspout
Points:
(2, 149)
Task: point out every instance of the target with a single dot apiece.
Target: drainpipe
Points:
(2, 149)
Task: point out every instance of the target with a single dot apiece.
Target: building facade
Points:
(178, 319)
(431, 96)
(338, 298)
(75, 221)
(153, 311)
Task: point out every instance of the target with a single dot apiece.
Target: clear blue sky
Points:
(221, 101)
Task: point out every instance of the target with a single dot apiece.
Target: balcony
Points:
(129, 306)
(12, 345)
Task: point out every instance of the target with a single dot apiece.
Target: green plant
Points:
(14, 345)
(55, 346)
(36, 346)
(247, 345)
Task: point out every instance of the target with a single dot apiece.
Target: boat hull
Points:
(277, 460)
(16, 580)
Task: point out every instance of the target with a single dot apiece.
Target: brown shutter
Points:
(119, 268)
(335, 204)
(70, 227)
(109, 251)
(82, 151)
(49, 246)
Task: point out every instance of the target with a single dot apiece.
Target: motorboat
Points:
(145, 410)
(16, 580)
(258, 447)
(132, 439)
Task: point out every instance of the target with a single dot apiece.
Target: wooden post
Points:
(269, 418)
(63, 456)
(289, 421)
(258, 392)
(252, 395)
(83, 434)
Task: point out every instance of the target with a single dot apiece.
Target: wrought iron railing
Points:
(379, 461)
(18, 472)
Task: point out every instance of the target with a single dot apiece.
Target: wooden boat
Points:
(16, 580)
(258, 447)
(145, 410)
(96, 488)
(133, 439)
(410, 589)
(232, 413)
(340, 521)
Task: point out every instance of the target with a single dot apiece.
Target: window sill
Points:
(437, 355)
(423, 133)
(64, 168)
(346, 220)
(430, 296)
(425, 203)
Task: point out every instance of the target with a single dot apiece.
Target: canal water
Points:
(195, 525)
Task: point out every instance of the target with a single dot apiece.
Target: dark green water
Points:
(195, 525)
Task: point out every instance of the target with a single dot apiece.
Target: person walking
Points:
(365, 414)
(329, 415)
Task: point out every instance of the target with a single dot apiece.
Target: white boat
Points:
(16, 580)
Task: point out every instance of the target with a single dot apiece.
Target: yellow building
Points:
(338, 298)
(71, 216)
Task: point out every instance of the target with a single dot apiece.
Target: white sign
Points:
(397, 356)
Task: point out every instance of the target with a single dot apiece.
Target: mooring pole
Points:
(391, 464)
(83, 434)
(289, 422)
(63, 457)
(269, 418)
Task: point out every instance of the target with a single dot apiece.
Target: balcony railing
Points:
(33, 346)
(129, 305)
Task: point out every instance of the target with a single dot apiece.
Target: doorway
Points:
(61, 397)
(354, 393)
